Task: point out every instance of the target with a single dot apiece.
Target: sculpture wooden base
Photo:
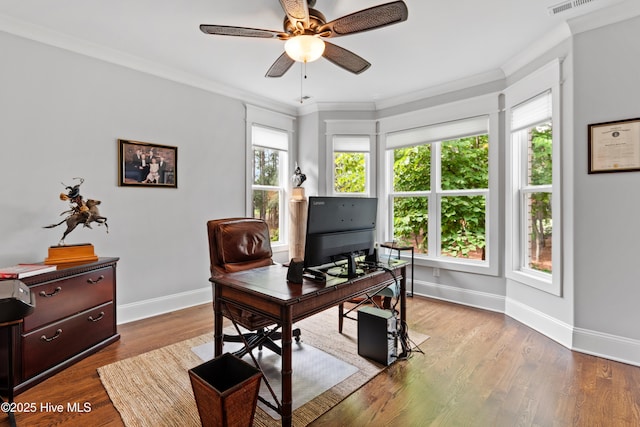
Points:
(71, 254)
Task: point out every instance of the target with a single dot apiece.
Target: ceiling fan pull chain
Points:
(301, 80)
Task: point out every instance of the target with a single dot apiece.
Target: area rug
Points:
(153, 389)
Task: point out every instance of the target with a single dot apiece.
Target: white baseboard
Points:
(457, 295)
(549, 326)
(155, 306)
(599, 344)
(625, 350)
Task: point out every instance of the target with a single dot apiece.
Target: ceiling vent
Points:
(567, 5)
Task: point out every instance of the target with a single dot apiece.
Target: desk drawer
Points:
(62, 298)
(50, 345)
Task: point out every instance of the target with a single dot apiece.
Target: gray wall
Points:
(607, 88)
(60, 117)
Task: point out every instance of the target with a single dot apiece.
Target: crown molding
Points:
(609, 12)
(73, 44)
(559, 34)
(448, 87)
(617, 12)
(335, 106)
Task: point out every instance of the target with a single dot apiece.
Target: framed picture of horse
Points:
(144, 164)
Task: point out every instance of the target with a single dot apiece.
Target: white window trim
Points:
(365, 128)
(485, 105)
(282, 122)
(546, 78)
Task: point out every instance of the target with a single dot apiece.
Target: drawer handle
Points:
(55, 292)
(98, 280)
(44, 337)
(96, 319)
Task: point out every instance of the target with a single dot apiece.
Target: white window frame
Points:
(339, 133)
(257, 117)
(419, 124)
(352, 144)
(547, 79)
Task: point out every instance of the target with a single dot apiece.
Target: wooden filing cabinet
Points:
(75, 316)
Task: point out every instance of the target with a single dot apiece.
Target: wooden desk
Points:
(265, 291)
(8, 327)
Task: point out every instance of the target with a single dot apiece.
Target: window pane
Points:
(350, 172)
(463, 227)
(465, 163)
(412, 168)
(539, 150)
(266, 205)
(540, 227)
(266, 166)
(410, 222)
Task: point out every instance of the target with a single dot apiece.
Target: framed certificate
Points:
(614, 146)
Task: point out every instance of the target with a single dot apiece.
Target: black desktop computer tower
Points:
(377, 335)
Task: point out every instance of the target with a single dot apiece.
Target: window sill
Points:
(464, 266)
(535, 281)
(279, 247)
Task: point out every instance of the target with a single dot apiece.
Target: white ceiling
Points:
(442, 42)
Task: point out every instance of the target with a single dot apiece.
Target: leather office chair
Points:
(237, 244)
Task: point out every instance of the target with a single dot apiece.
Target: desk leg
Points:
(10, 414)
(12, 418)
(10, 380)
(412, 275)
(287, 369)
(403, 297)
(217, 323)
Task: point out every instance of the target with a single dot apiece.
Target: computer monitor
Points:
(339, 228)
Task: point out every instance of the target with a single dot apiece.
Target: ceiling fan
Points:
(304, 29)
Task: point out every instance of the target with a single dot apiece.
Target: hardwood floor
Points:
(479, 368)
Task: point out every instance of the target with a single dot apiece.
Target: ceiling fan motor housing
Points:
(316, 20)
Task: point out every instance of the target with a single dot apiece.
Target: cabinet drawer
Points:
(52, 344)
(62, 298)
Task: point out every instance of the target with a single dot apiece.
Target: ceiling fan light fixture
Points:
(304, 48)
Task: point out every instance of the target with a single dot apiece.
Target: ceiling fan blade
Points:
(367, 19)
(281, 66)
(297, 11)
(226, 30)
(345, 58)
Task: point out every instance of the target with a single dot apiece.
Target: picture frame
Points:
(144, 164)
(614, 146)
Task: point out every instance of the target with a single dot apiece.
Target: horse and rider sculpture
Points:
(82, 211)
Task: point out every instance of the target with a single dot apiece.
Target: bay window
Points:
(270, 178)
(350, 157)
(439, 190)
(533, 202)
(269, 169)
(350, 165)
